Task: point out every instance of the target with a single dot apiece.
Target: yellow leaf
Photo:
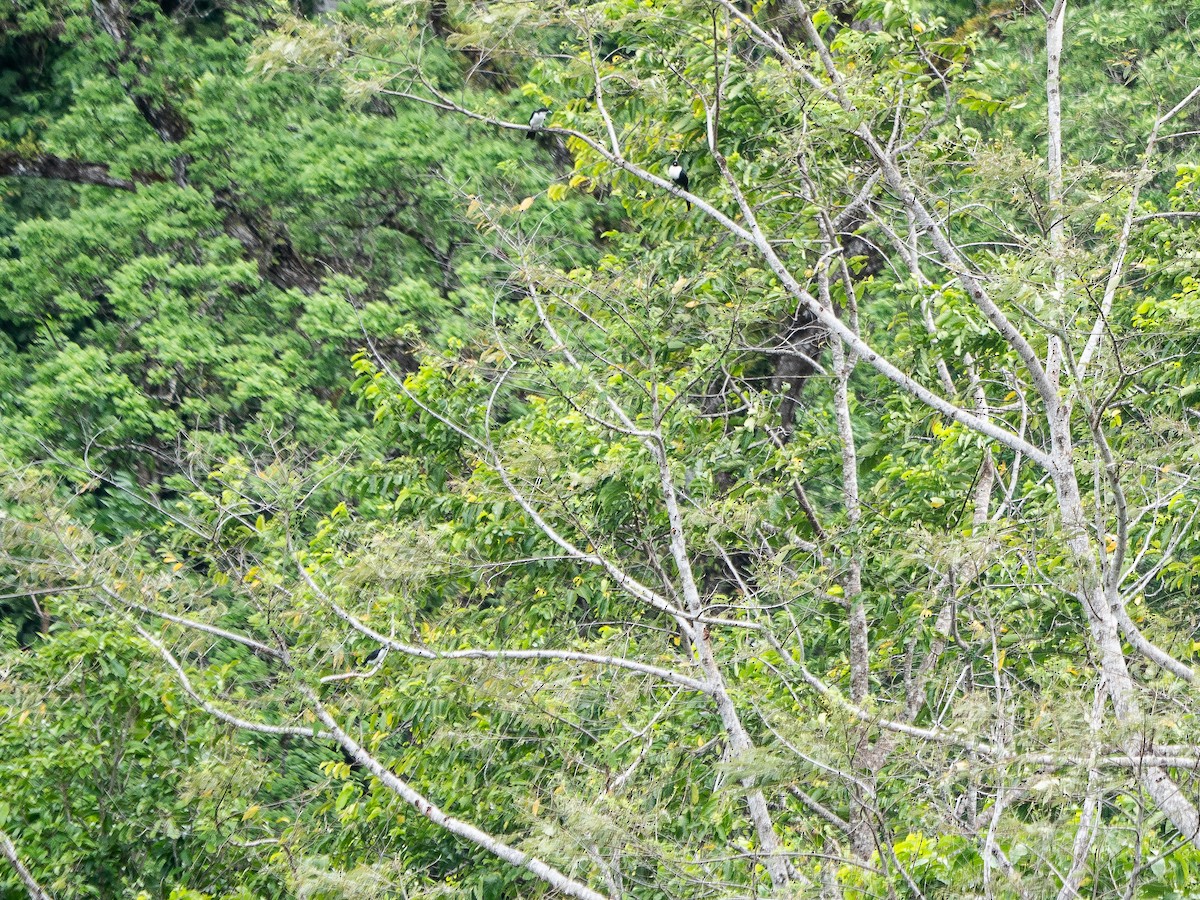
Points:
(937, 502)
(537, 805)
(557, 192)
(177, 567)
(1110, 544)
(526, 203)
(251, 812)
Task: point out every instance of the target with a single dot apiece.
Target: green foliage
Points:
(220, 315)
(366, 364)
(112, 786)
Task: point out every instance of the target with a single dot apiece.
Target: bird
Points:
(678, 174)
(376, 655)
(536, 121)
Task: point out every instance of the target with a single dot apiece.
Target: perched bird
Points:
(376, 655)
(678, 174)
(536, 121)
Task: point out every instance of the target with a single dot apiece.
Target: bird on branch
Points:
(678, 174)
(536, 121)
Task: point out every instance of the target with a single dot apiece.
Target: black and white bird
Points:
(536, 121)
(678, 174)
(377, 655)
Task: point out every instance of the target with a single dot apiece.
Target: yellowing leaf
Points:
(526, 203)
(251, 812)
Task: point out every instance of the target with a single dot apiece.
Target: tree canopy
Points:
(402, 500)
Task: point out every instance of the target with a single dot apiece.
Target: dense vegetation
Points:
(821, 525)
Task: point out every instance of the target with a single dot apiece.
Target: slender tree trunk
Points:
(776, 863)
(1105, 633)
(862, 836)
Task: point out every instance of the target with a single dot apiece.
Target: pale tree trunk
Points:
(863, 839)
(777, 865)
(843, 365)
(1102, 617)
(1054, 159)
(1105, 633)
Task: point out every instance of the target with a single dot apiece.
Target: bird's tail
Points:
(530, 135)
(689, 205)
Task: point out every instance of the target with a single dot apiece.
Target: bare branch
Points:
(544, 872)
(10, 853)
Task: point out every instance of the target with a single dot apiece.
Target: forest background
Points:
(823, 524)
